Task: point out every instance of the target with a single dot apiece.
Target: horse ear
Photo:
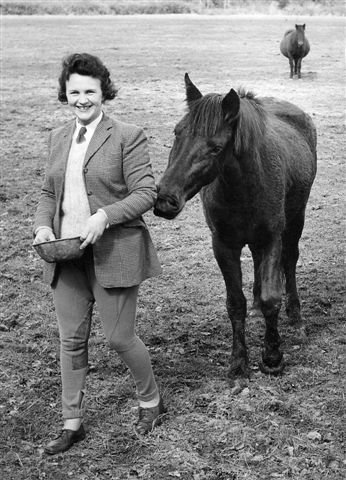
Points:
(192, 92)
(230, 105)
(304, 26)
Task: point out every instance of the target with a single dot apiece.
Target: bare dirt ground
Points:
(289, 427)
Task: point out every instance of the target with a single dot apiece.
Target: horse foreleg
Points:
(299, 66)
(256, 290)
(271, 294)
(290, 59)
(228, 260)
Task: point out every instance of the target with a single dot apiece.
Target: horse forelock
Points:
(205, 115)
(206, 118)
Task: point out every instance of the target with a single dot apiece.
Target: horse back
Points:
(288, 32)
(285, 42)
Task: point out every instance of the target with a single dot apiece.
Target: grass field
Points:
(289, 427)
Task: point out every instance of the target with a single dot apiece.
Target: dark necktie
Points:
(80, 136)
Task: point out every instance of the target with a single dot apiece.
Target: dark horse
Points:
(253, 162)
(295, 46)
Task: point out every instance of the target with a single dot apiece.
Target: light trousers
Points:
(75, 292)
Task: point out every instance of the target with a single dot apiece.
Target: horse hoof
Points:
(238, 385)
(275, 371)
(300, 335)
(238, 372)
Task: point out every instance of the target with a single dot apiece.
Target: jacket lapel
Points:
(65, 144)
(102, 132)
(61, 152)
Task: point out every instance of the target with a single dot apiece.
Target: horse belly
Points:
(240, 223)
(283, 47)
(306, 48)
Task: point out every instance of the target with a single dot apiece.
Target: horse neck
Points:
(239, 175)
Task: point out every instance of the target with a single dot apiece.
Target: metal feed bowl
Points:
(59, 250)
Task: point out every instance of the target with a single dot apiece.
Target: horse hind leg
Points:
(271, 295)
(290, 255)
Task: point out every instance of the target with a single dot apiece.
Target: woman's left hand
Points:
(93, 229)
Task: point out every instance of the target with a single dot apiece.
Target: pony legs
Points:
(298, 67)
(292, 67)
(256, 290)
(270, 301)
(290, 255)
(228, 260)
(295, 66)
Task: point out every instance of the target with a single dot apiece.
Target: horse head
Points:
(201, 139)
(300, 29)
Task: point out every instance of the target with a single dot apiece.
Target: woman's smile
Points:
(84, 96)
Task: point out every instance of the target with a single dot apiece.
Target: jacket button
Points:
(90, 192)
(85, 170)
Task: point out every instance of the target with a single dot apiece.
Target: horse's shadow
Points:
(304, 76)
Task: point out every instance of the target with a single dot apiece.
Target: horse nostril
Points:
(173, 203)
(167, 202)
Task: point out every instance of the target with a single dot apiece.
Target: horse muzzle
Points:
(167, 206)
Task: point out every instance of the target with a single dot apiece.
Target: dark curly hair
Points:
(89, 65)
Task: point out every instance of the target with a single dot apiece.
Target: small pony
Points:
(295, 46)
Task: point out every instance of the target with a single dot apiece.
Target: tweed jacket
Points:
(118, 178)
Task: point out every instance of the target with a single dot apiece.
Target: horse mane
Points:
(207, 119)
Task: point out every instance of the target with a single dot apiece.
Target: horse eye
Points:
(215, 149)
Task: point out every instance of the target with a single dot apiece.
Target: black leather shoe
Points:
(65, 441)
(149, 418)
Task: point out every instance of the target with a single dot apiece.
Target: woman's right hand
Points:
(44, 234)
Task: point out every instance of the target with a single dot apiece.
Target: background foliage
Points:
(128, 7)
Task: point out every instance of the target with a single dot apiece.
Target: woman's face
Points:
(84, 97)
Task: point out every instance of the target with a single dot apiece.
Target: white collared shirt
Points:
(75, 204)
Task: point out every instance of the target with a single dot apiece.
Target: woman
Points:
(97, 185)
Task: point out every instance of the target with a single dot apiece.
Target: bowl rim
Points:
(56, 241)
